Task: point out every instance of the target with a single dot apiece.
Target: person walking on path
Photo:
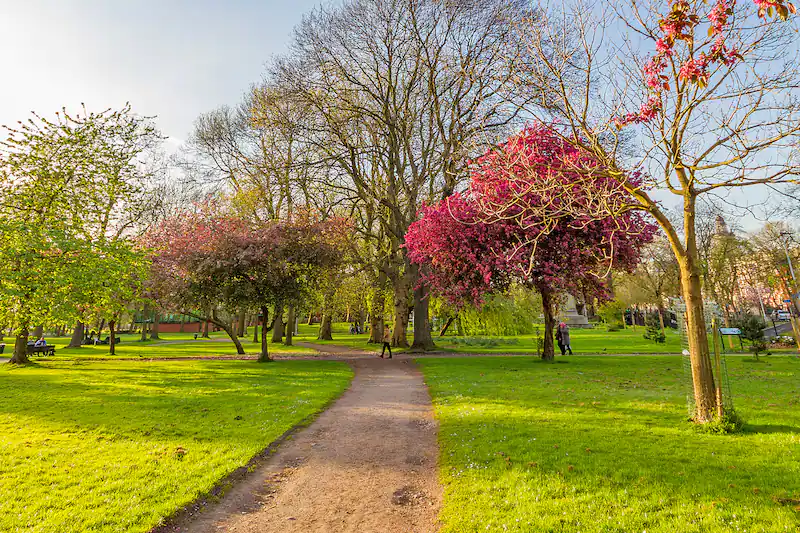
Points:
(562, 337)
(387, 337)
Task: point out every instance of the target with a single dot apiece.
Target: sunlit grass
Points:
(600, 444)
(118, 445)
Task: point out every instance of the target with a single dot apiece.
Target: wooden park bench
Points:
(41, 350)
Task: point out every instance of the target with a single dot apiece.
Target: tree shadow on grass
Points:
(770, 428)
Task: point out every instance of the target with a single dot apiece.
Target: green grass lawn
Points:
(170, 345)
(118, 445)
(600, 444)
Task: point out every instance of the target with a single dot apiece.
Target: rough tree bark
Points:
(401, 310)
(423, 341)
(277, 324)
(376, 311)
(20, 356)
(154, 329)
(77, 336)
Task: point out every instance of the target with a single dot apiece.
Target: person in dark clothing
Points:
(562, 338)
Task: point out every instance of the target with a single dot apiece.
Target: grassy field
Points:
(117, 445)
(170, 345)
(600, 444)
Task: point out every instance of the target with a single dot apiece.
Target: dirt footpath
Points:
(367, 464)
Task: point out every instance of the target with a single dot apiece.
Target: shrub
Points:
(752, 327)
(654, 331)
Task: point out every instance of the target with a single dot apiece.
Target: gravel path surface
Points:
(367, 464)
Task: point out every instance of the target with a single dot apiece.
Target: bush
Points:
(613, 314)
(752, 327)
(729, 422)
(654, 332)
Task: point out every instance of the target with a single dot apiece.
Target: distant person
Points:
(40, 342)
(387, 337)
(562, 337)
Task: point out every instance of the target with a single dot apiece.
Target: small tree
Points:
(752, 328)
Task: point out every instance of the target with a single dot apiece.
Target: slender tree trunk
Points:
(255, 330)
(459, 326)
(326, 326)
(548, 309)
(205, 330)
(20, 356)
(264, 357)
(144, 330)
(183, 324)
(702, 374)
(112, 337)
(290, 319)
(310, 321)
(422, 327)
(101, 326)
(77, 336)
(446, 326)
(229, 329)
(154, 330)
(401, 310)
(360, 320)
(277, 323)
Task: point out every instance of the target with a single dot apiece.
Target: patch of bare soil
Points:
(367, 464)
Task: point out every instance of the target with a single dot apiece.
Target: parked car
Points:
(781, 315)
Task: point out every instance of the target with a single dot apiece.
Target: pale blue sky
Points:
(171, 58)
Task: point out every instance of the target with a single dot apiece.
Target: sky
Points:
(173, 59)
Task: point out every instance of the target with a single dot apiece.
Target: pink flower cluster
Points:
(679, 25)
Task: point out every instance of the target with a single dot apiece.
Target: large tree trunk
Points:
(290, 319)
(77, 336)
(154, 330)
(205, 330)
(264, 357)
(401, 310)
(277, 324)
(240, 327)
(376, 310)
(111, 339)
(548, 309)
(38, 332)
(422, 327)
(326, 326)
(20, 356)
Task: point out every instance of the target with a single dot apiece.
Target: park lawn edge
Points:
(184, 515)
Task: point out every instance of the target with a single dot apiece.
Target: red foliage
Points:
(474, 245)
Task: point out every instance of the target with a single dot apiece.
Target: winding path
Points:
(367, 464)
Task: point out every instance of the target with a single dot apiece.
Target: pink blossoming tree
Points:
(472, 245)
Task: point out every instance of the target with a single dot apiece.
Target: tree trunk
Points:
(326, 328)
(401, 310)
(459, 326)
(446, 326)
(229, 329)
(702, 374)
(77, 336)
(100, 327)
(264, 357)
(310, 318)
(240, 331)
(38, 332)
(360, 320)
(548, 309)
(205, 330)
(154, 330)
(183, 324)
(422, 327)
(255, 330)
(112, 337)
(20, 356)
(144, 330)
(290, 319)
(277, 324)
(376, 311)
